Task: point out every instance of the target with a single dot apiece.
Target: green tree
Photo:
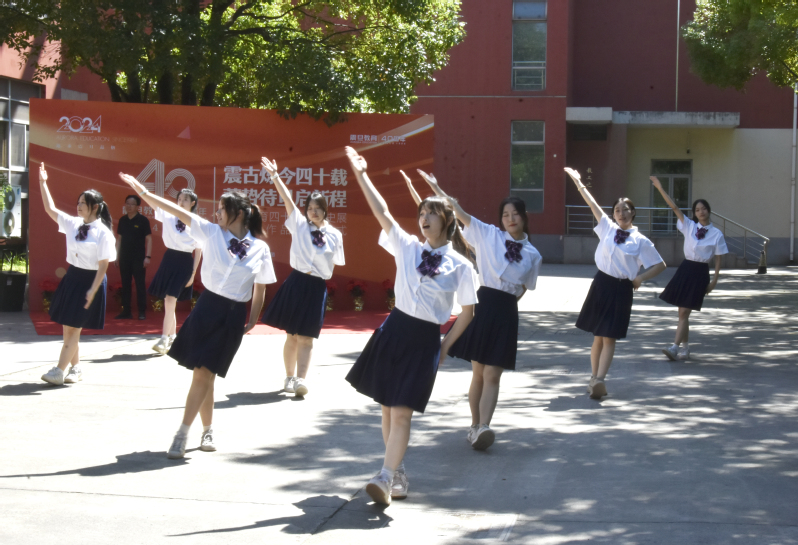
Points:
(729, 41)
(291, 55)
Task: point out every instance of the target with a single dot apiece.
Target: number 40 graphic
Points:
(162, 186)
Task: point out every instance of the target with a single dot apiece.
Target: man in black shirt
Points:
(133, 234)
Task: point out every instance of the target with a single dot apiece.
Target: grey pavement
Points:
(704, 451)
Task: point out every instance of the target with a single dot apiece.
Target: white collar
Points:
(508, 236)
(441, 251)
(228, 235)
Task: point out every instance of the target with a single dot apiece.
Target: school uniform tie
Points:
(83, 232)
(701, 232)
(318, 238)
(238, 248)
(513, 251)
(180, 226)
(621, 236)
(429, 264)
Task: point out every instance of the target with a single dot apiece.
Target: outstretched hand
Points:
(655, 182)
(42, 173)
(406, 177)
(429, 178)
(575, 176)
(132, 182)
(270, 166)
(358, 162)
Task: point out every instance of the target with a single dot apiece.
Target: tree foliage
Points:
(731, 40)
(292, 55)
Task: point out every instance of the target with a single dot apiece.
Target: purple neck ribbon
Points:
(180, 226)
(429, 264)
(621, 236)
(318, 238)
(513, 251)
(238, 248)
(83, 232)
(701, 232)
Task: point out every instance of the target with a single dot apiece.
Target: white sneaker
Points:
(300, 388)
(671, 353)
(75, 375)
(379, 489)
(590, 385)
(599, 389)
(54, 376)
(483, 438)
(162, 346)
(399, 486)
(684, 354)
(288, 385)
(472, 432)
(207, 444)
(178, 448)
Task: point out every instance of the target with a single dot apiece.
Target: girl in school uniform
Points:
(397, 367)
(621, 251)
(175, 275)
(79, 300)
(508, 266)
(298, 306)
(236, 268)
(691, 283)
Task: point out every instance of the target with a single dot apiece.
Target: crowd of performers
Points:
(489, 268)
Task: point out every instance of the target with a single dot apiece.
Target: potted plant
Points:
(387, 285)
(331, 287)
(48, 287)
(358, 289)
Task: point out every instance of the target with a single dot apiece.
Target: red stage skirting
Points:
(335, 322)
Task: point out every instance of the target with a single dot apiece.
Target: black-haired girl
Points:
(175, 277)
(691, 283)
(79, 300)
(298, 306)
(621, 251)
(236, 267)
(508, 266)
(397, 367)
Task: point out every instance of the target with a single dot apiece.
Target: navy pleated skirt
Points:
(688, 286)
(298, 306)
(607, 308)
(211, 334)
(397, 367)
(66, 306)
(173, 273)
(492, 336)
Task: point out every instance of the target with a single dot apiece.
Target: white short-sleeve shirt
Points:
(623, 260)
(98, 245)
(224, 273)
(172, 238)
(428, 298)
(308, 258)
(705, 249)
(495, 270)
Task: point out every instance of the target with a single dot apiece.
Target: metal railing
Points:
(661, 222)
(529, 75)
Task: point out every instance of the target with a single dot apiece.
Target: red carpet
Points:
(336, 322)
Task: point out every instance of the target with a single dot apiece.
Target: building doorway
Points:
(677, 181)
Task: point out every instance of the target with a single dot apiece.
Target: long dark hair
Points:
(319, 199)
(191, 195)
(705, 203)
(443, 208)
(625, 200)
(520, 207)
(235, 201)
(93, 197)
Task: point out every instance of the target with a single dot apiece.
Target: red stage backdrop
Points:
(210, 150)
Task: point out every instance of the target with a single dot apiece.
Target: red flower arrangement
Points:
(48, 286)
(357, 288)
(331, 287)
(387, 285)
(197, 285)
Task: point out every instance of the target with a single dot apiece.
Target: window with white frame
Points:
(527, 163)
(529, 45)
(15, 98)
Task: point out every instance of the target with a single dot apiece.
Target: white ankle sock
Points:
(205, 428)
(675, 346)
(686, 345)
(183, 429)
(401, 468)
(387, 473)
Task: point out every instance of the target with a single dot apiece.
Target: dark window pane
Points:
(21, 90)
(588, 132)
(529, 42)
(528, 131)
(20, 179)
(681, 191)
(20, 112)
(3, 144)
(18, 148)
(526, 171)
(3, 87)
(3, 106)
(671, 167)
(532, 199)
(529, 10)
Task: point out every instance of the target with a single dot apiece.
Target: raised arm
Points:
(598, 213)
(461, 214)
(412, 189)
(377, 204)
(158, 202)
(271, 168)
(668, 200)
(49, 205)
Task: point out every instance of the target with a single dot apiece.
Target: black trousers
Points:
(133, 270)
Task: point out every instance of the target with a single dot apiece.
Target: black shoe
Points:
(142, 316)
(123, 316)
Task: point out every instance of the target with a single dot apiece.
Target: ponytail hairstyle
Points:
(237, 201)
(94, 197)
(319, 199)
(443, 208)
(520, 207)
(192, 197)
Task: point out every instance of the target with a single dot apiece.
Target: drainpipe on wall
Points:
(792, 179)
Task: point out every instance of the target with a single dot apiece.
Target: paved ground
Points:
(698, 452)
